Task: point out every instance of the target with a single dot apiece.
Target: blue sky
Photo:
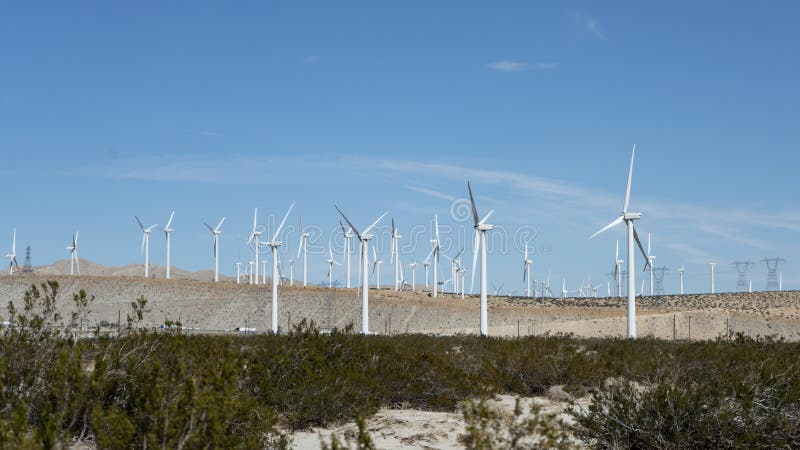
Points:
(107, 111)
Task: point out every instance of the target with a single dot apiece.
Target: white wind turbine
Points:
(618, 271)
(650, 259)
(303, 248)
(364, 239)
(413, 267)
(167, 232)
(454, 265)
(146, 245)
(73, 255)
(291, 272)
(376, 268)
(629, 218)
(395, 258)
(274, 244)
(238, 271)
(564, 291)
(681, 271)
(347, 237)
(12, 257)
(713, 265)
(479, 243)
(526, 271)
(425, 264)
(331, 262)
(435, 244)
(254, 235)
(216, 232)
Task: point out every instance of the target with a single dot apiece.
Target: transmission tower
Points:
(772, 272)
(741, 281)
(27, 268)
(658, 275)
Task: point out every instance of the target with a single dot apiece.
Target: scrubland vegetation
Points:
(167, 390)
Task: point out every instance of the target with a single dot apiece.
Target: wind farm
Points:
(400, 225)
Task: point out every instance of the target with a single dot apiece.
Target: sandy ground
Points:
(414, 429)
(224, 306)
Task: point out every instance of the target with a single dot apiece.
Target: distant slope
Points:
(90, 268)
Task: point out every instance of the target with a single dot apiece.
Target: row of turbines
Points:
(458, 272)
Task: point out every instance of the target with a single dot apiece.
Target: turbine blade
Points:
(219, 225)
(612, 224)
(349, 223)
(639, 243)
(475, 247)
(255, 219)
(139, 222)
(278, 230)
(436, 224)
(376, 222)
(209, 227)
(144, 236)
(486, 217)
(169, 222)
(628, 186)
(472, 202)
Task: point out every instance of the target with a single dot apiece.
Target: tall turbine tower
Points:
(254, 235)
(73, 255)
(303, 248)
(526, 271)
(425, 264)
(713, 265)
(629, 218)
(650, 259)
(216, 232)
(376, 268)
(347, 237)
(364, 239)
(146, 245)
(435, 244)
(167, 233)
(479, 243)
(291, 272)
(681, 271)
(618, 271)
(396, 255)
(413, 267)
(331, 262)
(274, 243)
(238, 271)
(12, 257)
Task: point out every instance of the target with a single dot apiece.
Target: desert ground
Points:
(203, 306)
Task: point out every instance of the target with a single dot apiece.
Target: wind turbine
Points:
(216, 232)
(376, 268)
(238, 271)
(364, 239)
(274, 244)
(413, 267)
(629, 218)
(713, 265)
(73, 255)
(146, 245)
(304, 248)
(291, 272)
(454, 265)
(331, 262)
(526, 271)
(564, 291)
(395, 258)
(254, 235)
(618, 271)
(425, 264)
(650, 259)
(681, 271)
(167, 232)
(12, 257)
(479, 243)
(435, 244)
(347, 237)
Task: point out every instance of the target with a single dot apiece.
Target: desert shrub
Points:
(182, 391)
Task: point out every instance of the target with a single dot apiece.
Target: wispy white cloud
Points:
(507, 66)
(432, 192)
(312, 59)
(519, 66)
